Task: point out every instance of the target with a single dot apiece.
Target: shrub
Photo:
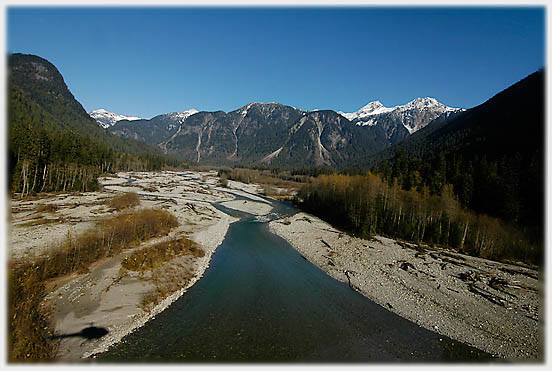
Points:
(29, 336)
(48, 208)
(154, 256)
(124, 201)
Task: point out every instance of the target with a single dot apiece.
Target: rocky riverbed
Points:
(107, 297)
(493, 306)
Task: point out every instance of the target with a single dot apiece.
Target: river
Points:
(261, 301)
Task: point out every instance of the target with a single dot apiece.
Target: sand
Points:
(493, 306)
(255, 208)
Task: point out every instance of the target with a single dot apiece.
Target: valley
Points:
(492, 306)
(416, 232)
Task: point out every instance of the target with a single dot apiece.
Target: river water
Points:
(261, 301)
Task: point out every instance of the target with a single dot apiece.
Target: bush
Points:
(124, 201)
(29, 336)
(151, 257)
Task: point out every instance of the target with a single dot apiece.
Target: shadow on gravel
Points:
(87, 333)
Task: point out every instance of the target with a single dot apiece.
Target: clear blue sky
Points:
(148, 61)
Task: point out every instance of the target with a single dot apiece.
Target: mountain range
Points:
(401, 121)
(491, 154)
(106, 119)
(275, 134)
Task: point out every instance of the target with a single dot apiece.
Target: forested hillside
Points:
(492, 155)
(52, 142)
(366, 205)
(474, 182)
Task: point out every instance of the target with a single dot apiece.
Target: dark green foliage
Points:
(53, 145)
(492, 155)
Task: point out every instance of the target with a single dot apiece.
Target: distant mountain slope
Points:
(325, 138)
(259, 133)
(153, 131)
(511, 121)
(266, 132)
(106, 119)
(401, 121)
(273, 134)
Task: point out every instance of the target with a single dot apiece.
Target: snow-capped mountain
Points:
(106, 119)
(152, 130)
(182, 115)
(413, 116)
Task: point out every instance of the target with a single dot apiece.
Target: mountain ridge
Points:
(106, 118)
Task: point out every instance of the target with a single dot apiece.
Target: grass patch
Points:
(39, 221)
(124, 201)
(28, 333)
(150, 188)
(47, 208)
(169, 278)
(152, 257)
(29, 336)
(166, 283)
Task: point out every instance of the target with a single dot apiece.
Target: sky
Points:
(149, 61)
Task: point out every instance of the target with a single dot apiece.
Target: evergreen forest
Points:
(53, 145)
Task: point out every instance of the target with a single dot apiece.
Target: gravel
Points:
(490, 305)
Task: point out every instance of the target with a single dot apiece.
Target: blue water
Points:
(261, 301)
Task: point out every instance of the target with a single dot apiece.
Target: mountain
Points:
(53, 144)
(269, 133)
(42, 83)
(106, 119)
(400, 122)
(153, 131)
(492, 154)
(272, 134)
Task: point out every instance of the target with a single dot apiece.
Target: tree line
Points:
(509, 187)
(367, 204)
(42, 157)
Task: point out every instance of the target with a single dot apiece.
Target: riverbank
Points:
(107, 296)
(493, 306)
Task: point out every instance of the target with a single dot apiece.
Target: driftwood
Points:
(487, 295)
(454, 256)
(420, 255)
(305, 219)
(325, 243)
(519, 271)
(468, 276)
(115, 281)
(349, 278)
(405, 265)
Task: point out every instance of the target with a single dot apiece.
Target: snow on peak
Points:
(181, 116)
(371, 109)
(105, 119)
(414, 115)
(427, 103)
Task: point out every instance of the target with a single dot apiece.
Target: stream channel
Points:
(261, 301)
